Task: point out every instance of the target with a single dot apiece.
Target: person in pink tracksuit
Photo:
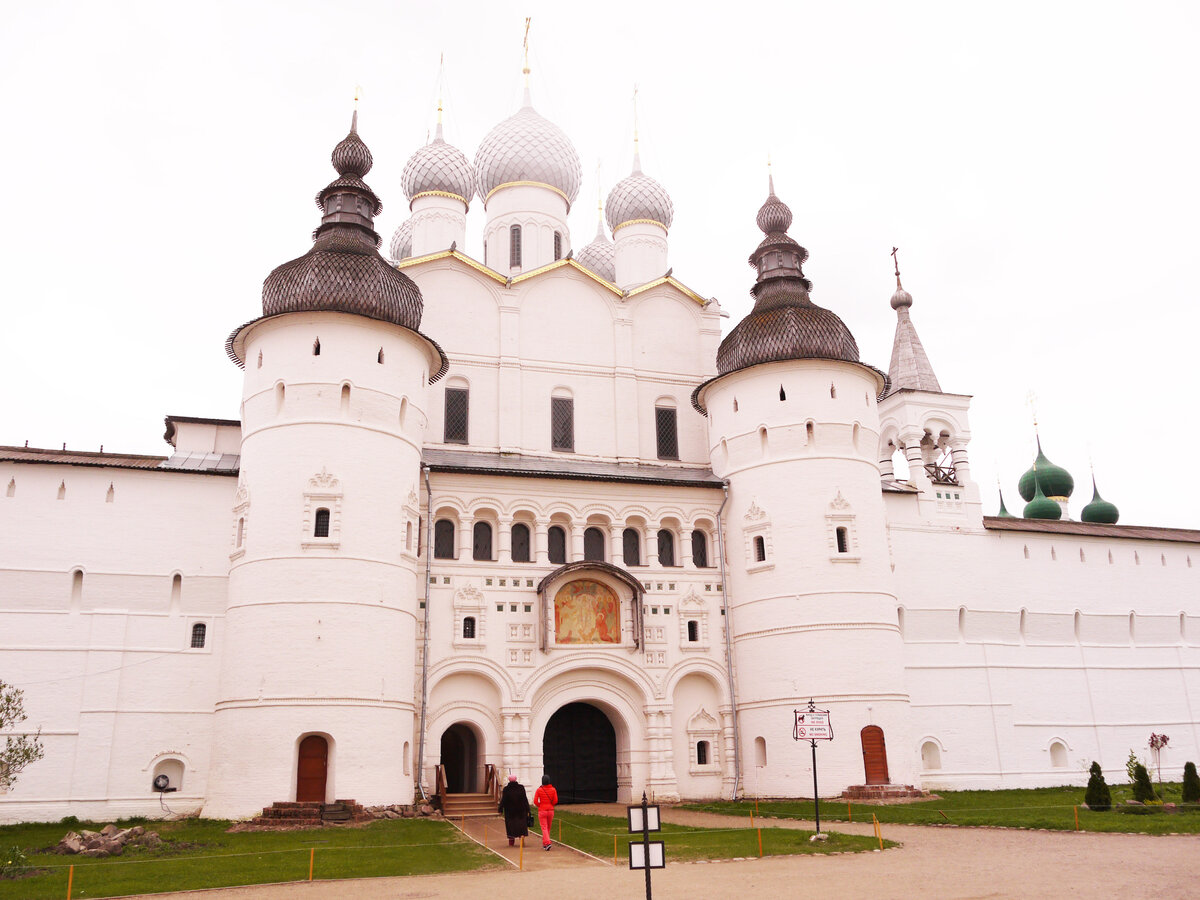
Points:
(545, 798)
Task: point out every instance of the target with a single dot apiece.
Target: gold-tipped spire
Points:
(525, 70)
(354, 117)
(441, 88)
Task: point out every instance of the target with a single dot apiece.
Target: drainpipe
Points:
(737, 731)
(425, 637)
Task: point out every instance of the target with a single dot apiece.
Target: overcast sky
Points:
(1037, 164)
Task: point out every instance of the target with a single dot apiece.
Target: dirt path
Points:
(944, 862)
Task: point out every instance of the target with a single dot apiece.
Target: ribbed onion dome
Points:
(599, 255)
(343, 271)
(1099, 511)
(639, 198)
(902, 298)
(439, 168)
(785, 323)
(527, 148)
(1055, 480)
(1040, 506)
(401, 245)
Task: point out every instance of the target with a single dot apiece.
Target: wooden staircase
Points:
(458, 806)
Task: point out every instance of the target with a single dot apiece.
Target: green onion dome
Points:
(1099, 511)
(1056, 481)
(1041, 506)
(1004, 513)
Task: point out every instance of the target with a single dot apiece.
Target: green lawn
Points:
(594, 835)
(197, 853)
(1028, 808)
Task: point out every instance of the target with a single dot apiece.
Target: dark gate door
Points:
(459, 758)
(579, 753)
(312, 768)
(874, 755)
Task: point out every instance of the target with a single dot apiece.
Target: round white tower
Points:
(794, 429)
(639, 212)
(316, 689)
(527, 175)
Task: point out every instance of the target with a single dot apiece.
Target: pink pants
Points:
(546, 817)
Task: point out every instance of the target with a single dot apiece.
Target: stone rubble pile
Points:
(109, 841)
(399, 811)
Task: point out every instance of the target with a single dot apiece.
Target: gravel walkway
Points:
(944, 862)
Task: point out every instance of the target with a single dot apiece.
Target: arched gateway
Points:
(579, 753)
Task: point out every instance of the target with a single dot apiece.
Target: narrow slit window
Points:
(443, 539)
(699, 549)
(260, 359)
(782, 393)
(842, 541)
(520, 543)
(241, 532)
(666, 548)
(557, 245)
(457, 415)
(760, 549)
(514, 246)
(321, 526)
(631, 547)
(379, 358)
(556, 545)
(199, 634)
(593, 545)
(408, 536)
(317, 347)
(562, 423)
(666, 429)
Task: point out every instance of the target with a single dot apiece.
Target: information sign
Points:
(637, 855)
(635, 819)
(813, 725)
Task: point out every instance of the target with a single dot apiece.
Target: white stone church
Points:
(531, 513)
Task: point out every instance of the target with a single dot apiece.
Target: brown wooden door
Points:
(874, 755)
(312, 768)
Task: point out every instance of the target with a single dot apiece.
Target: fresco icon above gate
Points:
(586, 612)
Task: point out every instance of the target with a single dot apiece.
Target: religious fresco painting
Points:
(586, 612)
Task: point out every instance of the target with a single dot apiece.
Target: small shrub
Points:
(13, 862)
(1143, 790)
(1191, 784)
(69, 820)
(1098, 797)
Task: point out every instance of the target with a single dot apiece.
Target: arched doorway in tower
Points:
(460, 758)
(312, 769)
(579, 753)
(874, 751)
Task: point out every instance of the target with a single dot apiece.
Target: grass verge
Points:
(1052, 808)
(594, 835)
(197, 853)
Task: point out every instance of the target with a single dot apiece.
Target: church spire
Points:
(910, 368)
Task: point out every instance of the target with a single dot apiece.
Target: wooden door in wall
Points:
(312, 768)
(874, 752)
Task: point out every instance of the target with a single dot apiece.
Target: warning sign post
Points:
(813, 725)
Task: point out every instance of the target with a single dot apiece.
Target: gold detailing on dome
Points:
(449, 194)
(640, 222)
(543, 184)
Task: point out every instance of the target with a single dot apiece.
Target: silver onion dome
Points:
(401, 245)
(527, 148)
(638, 198)
(439, 168)
(599, 255)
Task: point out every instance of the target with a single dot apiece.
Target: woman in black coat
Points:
(514, 804)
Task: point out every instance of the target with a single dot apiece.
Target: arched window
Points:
(443, 539)
(699, 549)
(702, 753)
(408, 536)
(514, 246)
(520, 543)
(631, 547)
(556, 545)
(321, 527)
(760, 751)
(693, 630)
(841, 540)
(379, 358)
(1058, 755)
(241, 535)
(931, 755)
(454, 428)
(760, 549)
(558, 245)
(593, 545)
(469, 627)
(666, 431)
(199, 633)
(666, 548)
(562, 423)
(482, 541)
(317, 347)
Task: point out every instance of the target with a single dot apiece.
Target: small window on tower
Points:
(514, 246)
(667, 432)
(557, 245)
(457, 415)
(842, 546)
(317, 347)
(321, 528)
(760, 549)
(199, 633)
